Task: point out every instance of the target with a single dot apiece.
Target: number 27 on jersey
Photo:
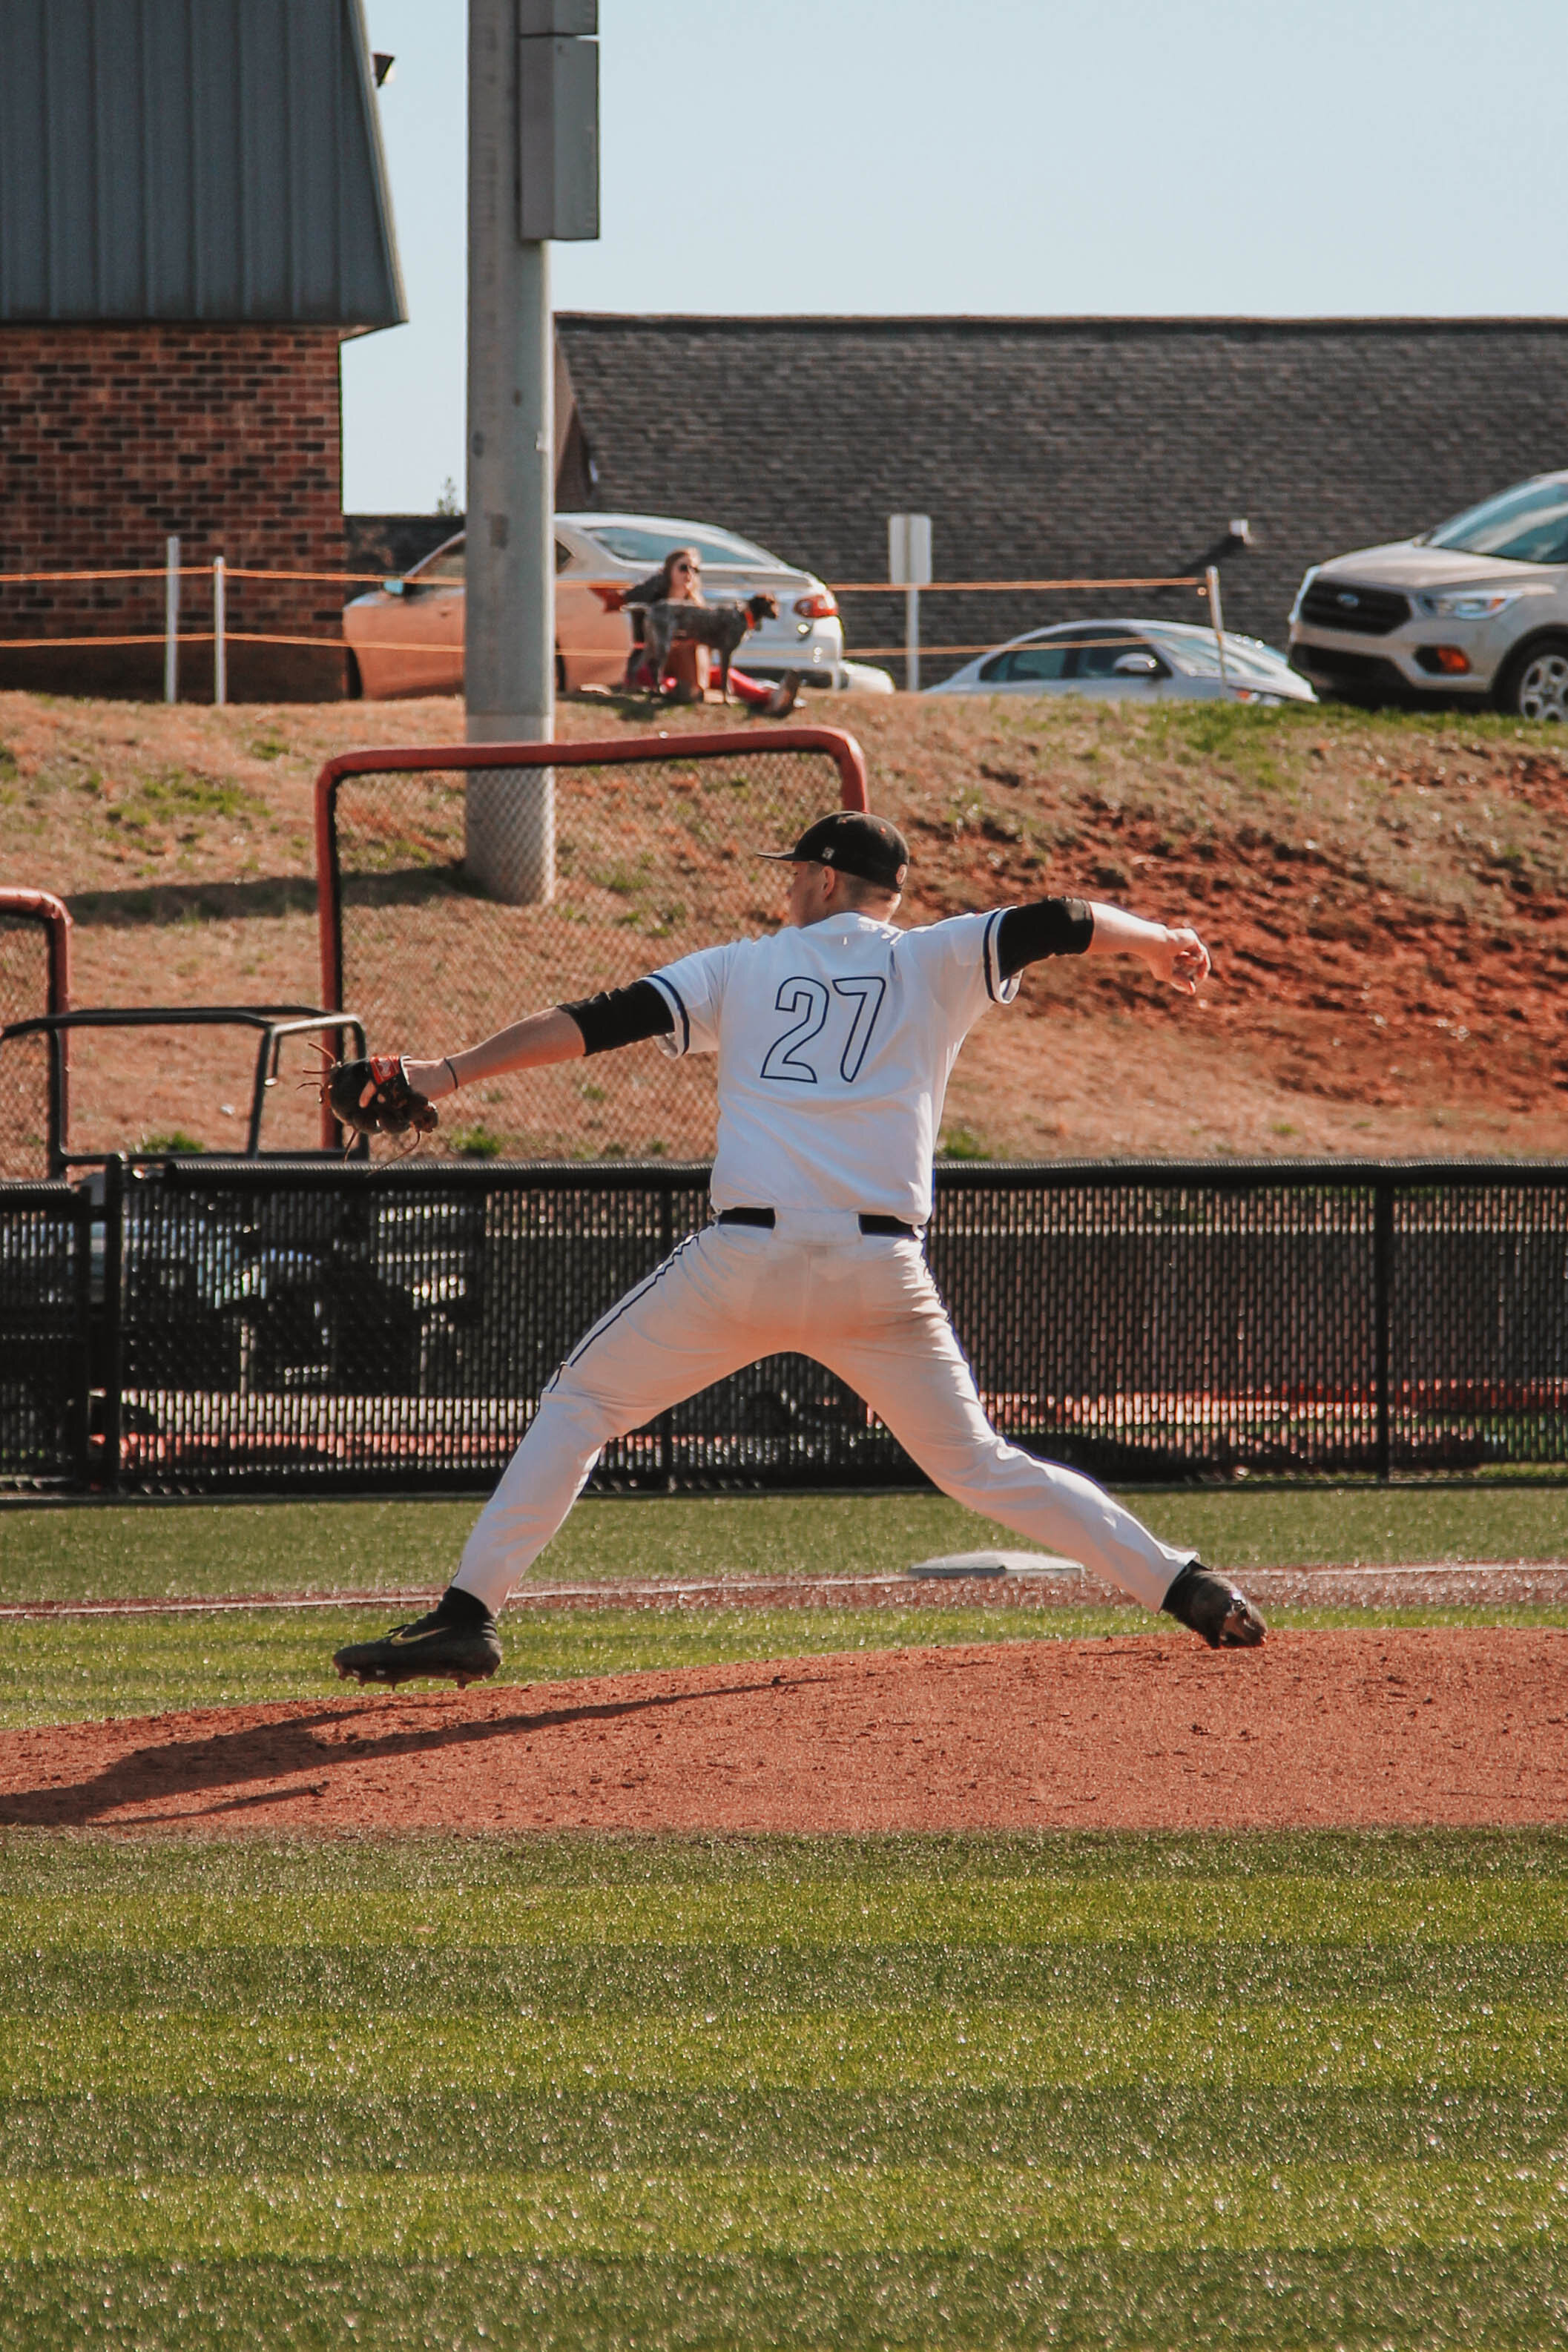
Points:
(801, 1052)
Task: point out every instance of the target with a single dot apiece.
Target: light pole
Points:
(533, 176)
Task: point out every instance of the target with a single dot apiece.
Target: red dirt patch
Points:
(1450, 1725)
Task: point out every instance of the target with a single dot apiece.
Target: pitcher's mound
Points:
(1316, 1730)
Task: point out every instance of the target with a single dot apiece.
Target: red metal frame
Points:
(625, 751)
(43, 907)
(53, 916)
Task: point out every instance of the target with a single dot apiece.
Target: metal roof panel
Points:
(204, 160)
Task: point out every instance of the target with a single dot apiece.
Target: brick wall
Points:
(111, 437)
(1044, 448)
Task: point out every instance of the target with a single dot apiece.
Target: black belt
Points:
(868, 1224)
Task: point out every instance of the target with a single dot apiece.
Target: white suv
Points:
(1477, 608)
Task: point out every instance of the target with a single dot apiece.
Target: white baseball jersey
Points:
(834, 1045)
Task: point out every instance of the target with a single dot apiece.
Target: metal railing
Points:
(213, 1326)
(175, 633)
(271, 1024)
(219, 575)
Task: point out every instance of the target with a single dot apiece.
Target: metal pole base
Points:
(509, 834)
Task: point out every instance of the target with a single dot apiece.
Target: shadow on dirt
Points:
(299, 1756)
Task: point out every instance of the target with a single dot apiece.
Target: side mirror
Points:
(392, 587)
(1135, 665)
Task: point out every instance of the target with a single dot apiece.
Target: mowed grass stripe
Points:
(675, 2127)
(677, 1981)
(1102, 2298)
(740, 2127)
(961, 1871)
(62, 1670)
(848, 2209)
(870, 2051)
(1043, 1909)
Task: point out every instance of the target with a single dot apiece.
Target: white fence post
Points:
(220, 623)
(171, 619)
(908, 567)
(1217, 622)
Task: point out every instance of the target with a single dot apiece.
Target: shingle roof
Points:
(1049, 447)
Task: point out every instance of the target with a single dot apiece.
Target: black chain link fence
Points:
(46, 1322)
(1478, 1321)
(343, 1329)
(625, 866)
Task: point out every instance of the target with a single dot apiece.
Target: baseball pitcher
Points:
(835, 1040)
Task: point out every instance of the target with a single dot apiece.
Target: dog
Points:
(721, 626)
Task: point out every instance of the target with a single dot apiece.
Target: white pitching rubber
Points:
(998, 1563)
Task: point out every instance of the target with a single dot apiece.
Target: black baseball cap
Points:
(852, 843)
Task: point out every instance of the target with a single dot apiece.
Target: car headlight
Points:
(1466, 603)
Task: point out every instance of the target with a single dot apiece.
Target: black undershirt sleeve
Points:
(1051, 927)
(621, 1017)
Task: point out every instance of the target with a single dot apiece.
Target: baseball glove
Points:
(373, 1097)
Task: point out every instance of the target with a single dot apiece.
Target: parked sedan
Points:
(406, 636)
(1132, 661)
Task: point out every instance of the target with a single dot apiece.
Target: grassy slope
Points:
(1386, 895)
(940, 2092)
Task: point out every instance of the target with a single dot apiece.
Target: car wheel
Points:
(1535, 683)
(353, 685)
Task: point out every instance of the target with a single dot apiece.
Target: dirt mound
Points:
(1318, 1729)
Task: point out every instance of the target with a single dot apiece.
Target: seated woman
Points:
(686, 666)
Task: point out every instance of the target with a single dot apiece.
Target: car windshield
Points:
(446, 564)
(1527, 525)
(631, 543)
(1199, 655)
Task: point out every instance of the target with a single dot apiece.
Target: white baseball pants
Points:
(863, 1305)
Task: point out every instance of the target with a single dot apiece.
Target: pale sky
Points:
(1266, 158)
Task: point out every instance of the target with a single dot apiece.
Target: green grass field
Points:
(967, 2092)
(976, 2092)
(141, 1550)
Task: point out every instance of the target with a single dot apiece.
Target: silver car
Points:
(1476, 609)
(1132, 661)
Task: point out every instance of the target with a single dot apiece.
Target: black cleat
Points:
(1213, 1608)
(459, 1650)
